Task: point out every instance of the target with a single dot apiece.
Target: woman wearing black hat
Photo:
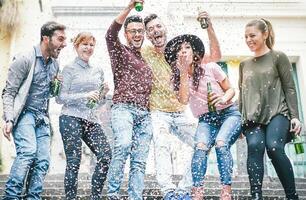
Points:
(219, 126)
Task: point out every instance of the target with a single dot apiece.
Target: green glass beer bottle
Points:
(298, 144)
(138, 6)
(211, 107)
(55, 87)
(91, 102)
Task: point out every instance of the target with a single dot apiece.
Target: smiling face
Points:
(86, 48)
(255, 38)
(156, 33)
(55, 43)
(134, 34)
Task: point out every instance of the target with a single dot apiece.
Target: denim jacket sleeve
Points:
(17, 74)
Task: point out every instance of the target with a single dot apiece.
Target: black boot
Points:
(257, 196)
(292, 197)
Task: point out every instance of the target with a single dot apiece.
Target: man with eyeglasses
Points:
(25, 105)
(169, 118)
(130, 117)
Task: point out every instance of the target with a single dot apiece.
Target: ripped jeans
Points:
(221, 128)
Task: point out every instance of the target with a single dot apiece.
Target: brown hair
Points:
(81, 37)
(149, 18)
(264, 26)
(198, 72)
(49, 28)
(132, 18)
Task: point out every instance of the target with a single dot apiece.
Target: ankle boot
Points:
(226, 192)
(257, 196)
(197, 193)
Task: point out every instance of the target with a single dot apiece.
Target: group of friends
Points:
(152, 86)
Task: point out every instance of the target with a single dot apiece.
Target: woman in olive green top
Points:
(268, 105)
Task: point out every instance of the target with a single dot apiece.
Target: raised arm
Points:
(214, 54)
(112, 32)
(124, 13)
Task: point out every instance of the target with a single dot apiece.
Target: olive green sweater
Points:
(267, 88)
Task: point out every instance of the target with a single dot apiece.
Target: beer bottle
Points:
(298, 144)
(138, 6)
(55, 87)
(203, 22)
(211, 107)
(91, 102)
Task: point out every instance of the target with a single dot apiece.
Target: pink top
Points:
(198, 98)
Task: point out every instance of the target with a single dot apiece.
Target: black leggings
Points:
(73, 131)
(272, 137)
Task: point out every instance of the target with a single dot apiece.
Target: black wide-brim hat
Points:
(173, 46)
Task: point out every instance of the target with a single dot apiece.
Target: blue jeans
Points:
(222, 127)
(132, 130)
(167, 125)
(73, 131)
(32, 141)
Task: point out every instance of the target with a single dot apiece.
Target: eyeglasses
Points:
(134, 31)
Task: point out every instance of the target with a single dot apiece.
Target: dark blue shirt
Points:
(44, 73)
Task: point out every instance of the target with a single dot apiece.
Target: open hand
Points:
(94, 95)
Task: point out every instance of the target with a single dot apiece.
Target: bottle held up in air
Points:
(138, 6)
(203, 23)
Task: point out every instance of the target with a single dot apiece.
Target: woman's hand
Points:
(105, 89)
(217, 99)
(94, 95)
(295, 126)
(204, 15)
(183, 62)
